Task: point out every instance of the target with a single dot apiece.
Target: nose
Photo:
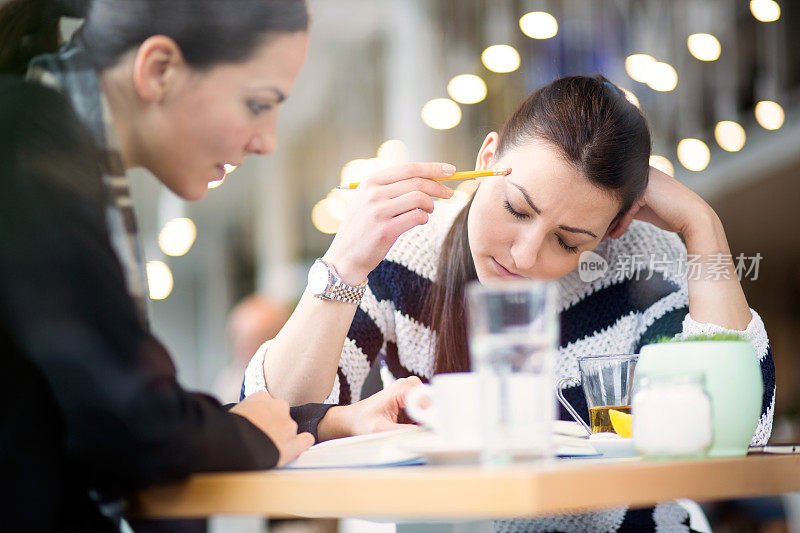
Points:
(262, 142)
(526, 247)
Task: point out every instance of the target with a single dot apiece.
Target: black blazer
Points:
(91, 407)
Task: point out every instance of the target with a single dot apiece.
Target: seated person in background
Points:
(253, 319)
(580, 181)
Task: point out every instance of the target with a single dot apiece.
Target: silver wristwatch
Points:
(326, 284)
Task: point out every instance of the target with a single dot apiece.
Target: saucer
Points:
(612, 445)
(438, 450)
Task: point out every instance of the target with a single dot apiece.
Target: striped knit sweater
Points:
(617, 313)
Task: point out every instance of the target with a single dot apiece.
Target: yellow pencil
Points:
(462, 175)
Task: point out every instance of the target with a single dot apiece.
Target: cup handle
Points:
(560, 395)
(424, 415)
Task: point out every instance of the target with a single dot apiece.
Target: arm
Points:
(716, 302)
(304, 356)
(126, 421)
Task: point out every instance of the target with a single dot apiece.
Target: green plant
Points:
(714, 337)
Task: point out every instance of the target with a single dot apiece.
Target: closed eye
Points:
(516, 214)
(257, 108)
(567, 247)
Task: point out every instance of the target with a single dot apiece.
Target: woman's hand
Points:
(272, 417)
(384, 206)
(379, 412)
(715, 294)
(669, 205)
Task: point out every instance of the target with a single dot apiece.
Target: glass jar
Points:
(672, 415)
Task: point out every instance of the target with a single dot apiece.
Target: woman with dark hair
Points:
(580, 182)
(179, 87)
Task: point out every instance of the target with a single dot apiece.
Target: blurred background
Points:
(392, 80)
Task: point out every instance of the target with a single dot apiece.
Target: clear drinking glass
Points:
(607, 382)
(513, 337)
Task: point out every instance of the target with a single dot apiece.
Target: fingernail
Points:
(448, 168)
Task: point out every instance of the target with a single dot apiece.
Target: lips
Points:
(503, 271)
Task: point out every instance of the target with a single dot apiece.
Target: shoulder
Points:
(418, 249)
(42, 139)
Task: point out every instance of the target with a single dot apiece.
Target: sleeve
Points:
(127, 422)
(365, 340)
(756, 333)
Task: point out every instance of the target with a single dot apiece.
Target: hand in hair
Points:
(667, 204)
(379, 412)
(384, 206)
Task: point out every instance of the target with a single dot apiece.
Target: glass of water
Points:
(513, 338)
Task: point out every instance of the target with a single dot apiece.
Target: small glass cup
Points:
(607, 381)
(513, 337)
(672, 415)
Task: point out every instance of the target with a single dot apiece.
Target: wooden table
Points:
(469, 492)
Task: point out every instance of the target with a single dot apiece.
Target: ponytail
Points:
(27, 28)
(30, 27)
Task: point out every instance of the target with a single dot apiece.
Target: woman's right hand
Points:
(272, 417)
(384, 206)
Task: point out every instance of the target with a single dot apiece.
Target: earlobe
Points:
(487, 152)
(156, 65)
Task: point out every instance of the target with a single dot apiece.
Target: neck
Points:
(120, 98)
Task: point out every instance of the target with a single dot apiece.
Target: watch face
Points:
(318, 278)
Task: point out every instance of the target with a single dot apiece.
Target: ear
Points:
(487, 151)
(156, 68)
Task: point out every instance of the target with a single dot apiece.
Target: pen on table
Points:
(776, 448)
(462, 175)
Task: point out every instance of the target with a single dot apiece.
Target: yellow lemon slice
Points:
(621, 422)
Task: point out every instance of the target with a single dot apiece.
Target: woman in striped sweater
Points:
(580, 182)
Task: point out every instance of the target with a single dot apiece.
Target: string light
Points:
(730, 135)
(538, 25)
(441, 114)
(694, 154)
(159, 280)
(177, 236)
(467, 89)
(663, 164)
(704, 46)
(770, 115)
(501, 58)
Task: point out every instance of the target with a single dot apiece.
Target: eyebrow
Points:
(539, 211)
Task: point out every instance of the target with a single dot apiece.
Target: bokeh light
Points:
(704, 46)
(327, 214)
(770, 115)
(159, 280)
(467, 89)
(765, 10)
(693, 154)
(730, 135)
(501, 58)
(441, 114)
(663, 164)
(662, 77)
(629, 96)
(177, 236)
(538, 25)
(638, 66)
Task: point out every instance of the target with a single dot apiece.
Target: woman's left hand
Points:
(379, 412)
(667, 204)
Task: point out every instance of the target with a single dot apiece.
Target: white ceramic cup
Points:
(450, 406)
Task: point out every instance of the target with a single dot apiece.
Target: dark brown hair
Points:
(208, 32)
(597, 130)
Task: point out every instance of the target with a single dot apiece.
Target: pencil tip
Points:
(508, 171)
